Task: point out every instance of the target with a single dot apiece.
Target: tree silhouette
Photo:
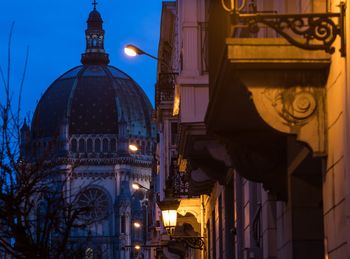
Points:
(37, 211)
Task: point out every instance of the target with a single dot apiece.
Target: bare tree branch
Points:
(37, 212)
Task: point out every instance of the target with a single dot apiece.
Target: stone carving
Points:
(295, 110)
(295, 105)
(97, 202)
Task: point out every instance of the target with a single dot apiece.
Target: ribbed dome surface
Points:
(92, 99)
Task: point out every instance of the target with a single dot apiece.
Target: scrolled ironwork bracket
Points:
(194, 242)
(314, 31)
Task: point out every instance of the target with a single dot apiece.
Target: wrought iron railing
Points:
(180, 181)
(165, 88)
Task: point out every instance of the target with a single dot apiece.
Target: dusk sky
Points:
(54, 31)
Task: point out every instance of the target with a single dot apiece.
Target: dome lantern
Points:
(95, 52)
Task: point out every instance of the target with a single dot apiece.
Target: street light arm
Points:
(151, 56)
(137, 186)
(132, 50)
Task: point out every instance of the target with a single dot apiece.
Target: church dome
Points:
(93, 98)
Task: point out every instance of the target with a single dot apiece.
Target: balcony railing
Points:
(165, 88)
(180, 181)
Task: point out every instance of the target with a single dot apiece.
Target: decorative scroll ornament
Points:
(191, 241)
(294, 105)
(294, 110)
(315, 31)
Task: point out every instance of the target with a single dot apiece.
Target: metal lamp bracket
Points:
(193, 242)
(313, 31)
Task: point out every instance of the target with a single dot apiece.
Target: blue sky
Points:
(54, 31)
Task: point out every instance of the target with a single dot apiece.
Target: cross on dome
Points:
(94, 3)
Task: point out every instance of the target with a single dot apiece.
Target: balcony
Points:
(165, 88)
(266, 97)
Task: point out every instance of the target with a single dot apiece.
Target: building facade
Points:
(84, 124)
(259, 109)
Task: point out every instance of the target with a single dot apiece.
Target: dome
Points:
(92, 99)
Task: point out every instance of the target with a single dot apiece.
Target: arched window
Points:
(73, 145)
(113, 145)
(81, 145)
(97, 146)
(138, 143)
(148, 148)
(123, 224)
(105, 145)
(143, 147)
(94, 42)
(89, 145)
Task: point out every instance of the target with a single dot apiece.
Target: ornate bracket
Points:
(194, 242)
(314, 31)
(295, 110)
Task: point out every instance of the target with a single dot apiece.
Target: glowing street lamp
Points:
(137, 186)
(132, 51)
(169, 208)
(137, 247)
(137, 224)
(133, 147)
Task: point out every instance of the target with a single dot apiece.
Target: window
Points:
(81, 145)
(173, 133)
(143, 147)
(73, 145)
(89, 145)
(122, 224)
(105, 145)
(148, 149)
(97, 146)
(94, 42)
(113, 145)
